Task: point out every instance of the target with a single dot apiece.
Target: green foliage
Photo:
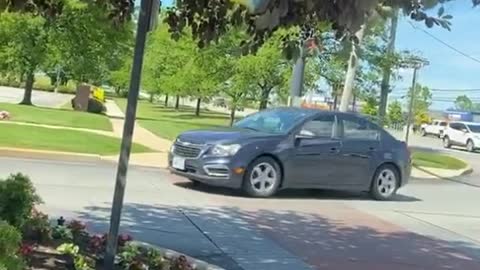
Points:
(80, 262)
(37, 227)
(10, 239)
(464, 103)
(395, 114)
(129, 256)
(371, 106)
(62, 233)
(17, 199)
(422, 102)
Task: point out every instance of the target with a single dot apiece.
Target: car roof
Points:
(312, 112)
(466, 123)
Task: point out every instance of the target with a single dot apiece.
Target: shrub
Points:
(43, 83)
(95, 106)
(17, 199)
(37, 227)
(69, 88)
(62, 233)
(10, 240)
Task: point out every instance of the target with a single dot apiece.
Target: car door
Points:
(456, 133)
(360, 150)
(316, 152)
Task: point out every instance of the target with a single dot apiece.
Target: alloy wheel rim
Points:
(470, 146)
(263, 177)
(386, 182)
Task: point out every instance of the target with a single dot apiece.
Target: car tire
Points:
(470, 146)
(385, 182)
(262, 178)
(424, 133)
(446, 142)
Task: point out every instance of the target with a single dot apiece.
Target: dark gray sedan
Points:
(294, 148)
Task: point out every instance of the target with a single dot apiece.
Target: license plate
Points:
(178, 163)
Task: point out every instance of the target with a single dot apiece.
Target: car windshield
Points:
(443, 124)
(273, 121)
(474, 128)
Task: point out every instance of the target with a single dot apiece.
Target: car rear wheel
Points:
(424, 133)
(385, 183)
(470, 146)
(262, 177)
(446, 142)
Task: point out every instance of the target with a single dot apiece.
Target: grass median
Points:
(40, 138)
(168, 123)
(435, 160)
(56, 117)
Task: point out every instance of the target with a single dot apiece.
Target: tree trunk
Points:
(232, 114)
(197, 109)
(387, 72)
(27, 95)
(353, 62)
(151, 97)
(264, 99)
(297, 79)
(166, 100)
(177, 103)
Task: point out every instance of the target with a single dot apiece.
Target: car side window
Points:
(359, 129)
(319, 127)
(454, 126)
(461, 127)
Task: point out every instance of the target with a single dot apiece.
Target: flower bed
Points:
(28, 240)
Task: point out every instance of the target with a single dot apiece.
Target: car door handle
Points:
(334, 150)
(372, 148)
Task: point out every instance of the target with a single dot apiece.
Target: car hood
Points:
(222, 136)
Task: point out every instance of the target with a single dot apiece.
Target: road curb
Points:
(51, 155)
(442, 173)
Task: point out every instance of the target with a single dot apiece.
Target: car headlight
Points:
(172, 148)
(221, 150)
(476, 137)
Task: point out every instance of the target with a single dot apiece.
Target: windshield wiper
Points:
(251, 128)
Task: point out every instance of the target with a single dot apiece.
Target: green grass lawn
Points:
(40, 138)
(168, 123)
(434, 160)
(56, 117)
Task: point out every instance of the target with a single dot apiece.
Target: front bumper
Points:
(210, 171)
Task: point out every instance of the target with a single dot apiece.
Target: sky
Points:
(447, 69)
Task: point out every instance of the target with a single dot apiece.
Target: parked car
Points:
(220, 102)
(436, 128)
(294, 148)
(466, 134)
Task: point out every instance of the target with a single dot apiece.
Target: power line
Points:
(446, 44)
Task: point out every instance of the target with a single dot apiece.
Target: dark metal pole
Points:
(412, 101)
(142, 29)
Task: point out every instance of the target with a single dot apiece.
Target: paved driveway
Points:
(431, 225)
(40, 98)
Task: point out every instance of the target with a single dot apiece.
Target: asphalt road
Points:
(431, 143)
(430, 225)
(40, 98)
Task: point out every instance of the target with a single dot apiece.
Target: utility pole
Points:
(57, 81)
(147, 20)
(387, 72)
(411, 103)
(416, 63)
(297, 79)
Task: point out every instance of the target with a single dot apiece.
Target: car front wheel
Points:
(470, 146)
(262, 177)
(424, 133)
(385, 183)
(446, 142)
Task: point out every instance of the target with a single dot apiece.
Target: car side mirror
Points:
(464, 130)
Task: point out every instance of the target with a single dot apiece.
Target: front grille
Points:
(187, 151)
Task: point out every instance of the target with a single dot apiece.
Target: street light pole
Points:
(412, 101)
(146, 21)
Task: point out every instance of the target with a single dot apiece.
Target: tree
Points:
(464, 103)
(421, 103)
(395, 114)
(371, 105)
(23, 43)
